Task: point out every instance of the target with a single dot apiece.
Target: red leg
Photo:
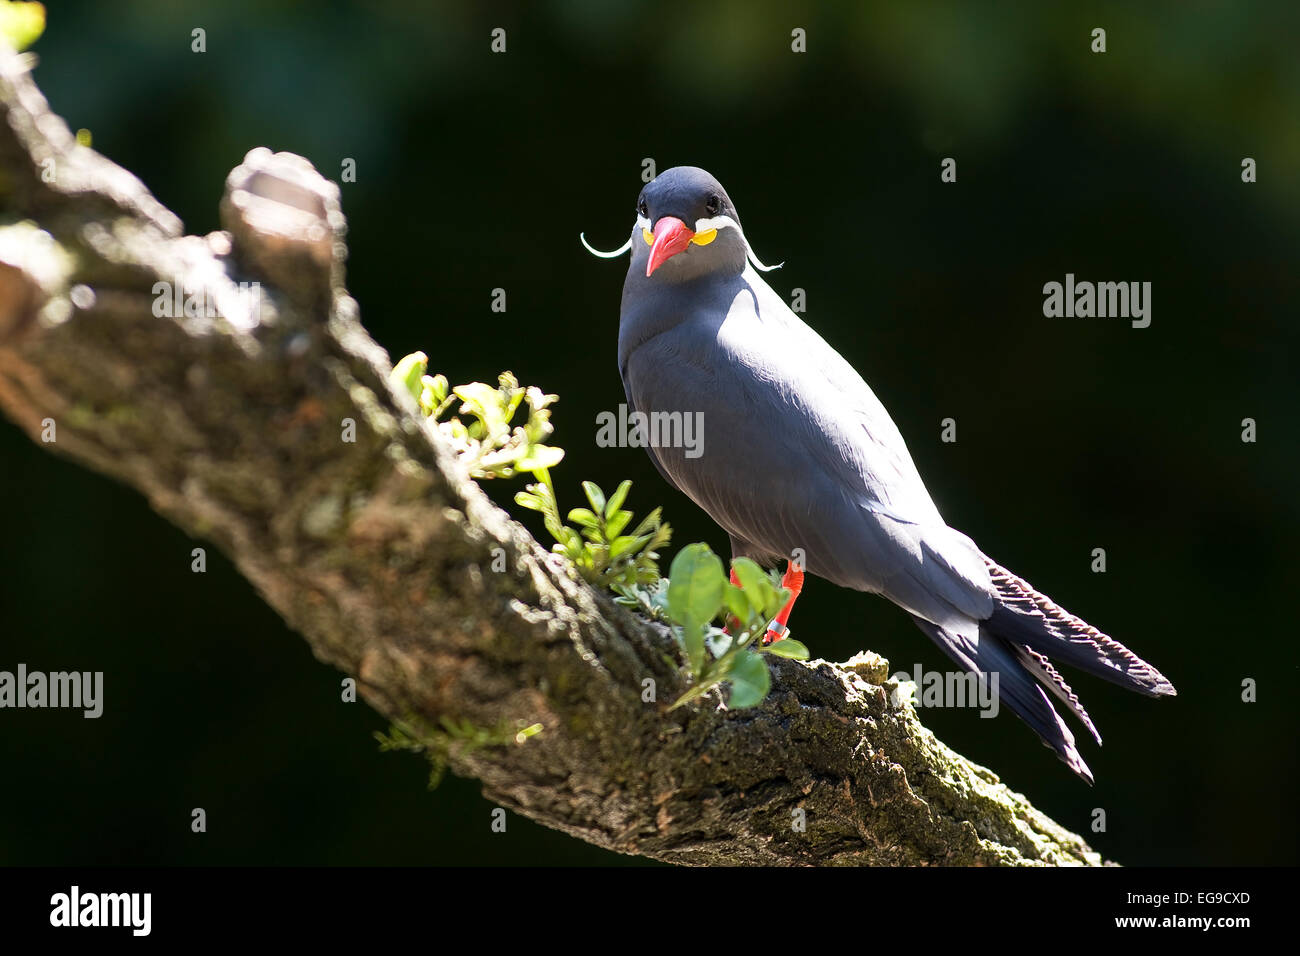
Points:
(730, 618)
(793, 582)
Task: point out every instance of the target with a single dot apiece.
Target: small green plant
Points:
(698, 593)
(650, 600)
(486, 439)
(493, 447)
(602, 553)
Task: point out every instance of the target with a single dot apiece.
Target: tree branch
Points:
(232, 420)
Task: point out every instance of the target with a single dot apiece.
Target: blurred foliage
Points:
(21, 23)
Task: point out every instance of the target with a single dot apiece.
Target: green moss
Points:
(453, 738)
(83, 415)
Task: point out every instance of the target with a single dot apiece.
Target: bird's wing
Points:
(654, 456)
(798, 453)
(846, 429)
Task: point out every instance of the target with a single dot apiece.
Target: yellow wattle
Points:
(704, 238)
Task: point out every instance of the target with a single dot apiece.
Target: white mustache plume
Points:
(701, 225)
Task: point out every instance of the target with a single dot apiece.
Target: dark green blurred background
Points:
(477, 171)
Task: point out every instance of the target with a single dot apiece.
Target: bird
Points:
(799, 461)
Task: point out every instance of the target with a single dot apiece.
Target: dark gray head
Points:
(686, 227)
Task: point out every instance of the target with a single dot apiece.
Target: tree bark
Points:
(232, 418)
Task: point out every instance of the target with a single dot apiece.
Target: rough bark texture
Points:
(378, 551)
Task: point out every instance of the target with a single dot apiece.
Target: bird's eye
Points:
(712, 205)
(643, 209)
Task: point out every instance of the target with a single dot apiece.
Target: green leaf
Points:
(758, 589)
(737, 603)
(776, 601)
(527, 500)
(428, 402)
(614, 526)
(626, 545)
(481, 400)
(409, 373)
(583, 517)
(789, 648)
(510, 395)
(21, 23)
(649, 522)
(750, 680)
(594, 495)
(696, 584)
(437, 384)
(616, 500)
(540, 456)
(695, 593)
(719, 641)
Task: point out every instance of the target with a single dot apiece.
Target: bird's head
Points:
(686, 227)
(686, 220)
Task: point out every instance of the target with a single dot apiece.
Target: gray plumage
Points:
(799, 453)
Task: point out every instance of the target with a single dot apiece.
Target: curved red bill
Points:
(671, 236)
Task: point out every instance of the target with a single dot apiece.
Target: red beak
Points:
(671, 237)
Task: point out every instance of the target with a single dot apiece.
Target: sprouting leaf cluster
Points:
(482, 429)
(602, 548)
(698, 594)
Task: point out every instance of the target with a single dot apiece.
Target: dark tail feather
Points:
(1017, 668)
(1024, 616)
(1049, 677)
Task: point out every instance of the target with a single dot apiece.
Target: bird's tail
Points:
(1030, 618)
(1015, 643)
